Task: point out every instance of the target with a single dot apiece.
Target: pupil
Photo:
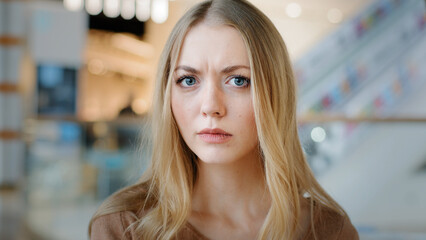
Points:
(189, 81)
(239, 81)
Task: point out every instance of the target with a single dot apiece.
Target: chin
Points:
(214, 161)
(216, 158)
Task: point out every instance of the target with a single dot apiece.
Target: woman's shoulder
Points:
(117, 214)
(329, 224)
(113, 226)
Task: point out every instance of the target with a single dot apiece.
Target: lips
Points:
(215, 135)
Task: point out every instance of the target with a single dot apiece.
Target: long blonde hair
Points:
(162, 197)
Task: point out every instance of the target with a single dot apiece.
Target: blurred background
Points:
(76, 82)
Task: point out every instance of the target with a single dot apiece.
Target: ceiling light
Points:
(96, 67)
(73, 5)
(139, 106)
(143, 11)
(94, 7)
(128, 9)
(160, 10)
(293, 10)
(334, 15)
(318, 134)
(112, 8)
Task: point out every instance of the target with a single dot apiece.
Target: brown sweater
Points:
(331, 226)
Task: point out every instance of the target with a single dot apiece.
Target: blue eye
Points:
(240, 81)
(186, 81)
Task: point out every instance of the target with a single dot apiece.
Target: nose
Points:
(213, 104)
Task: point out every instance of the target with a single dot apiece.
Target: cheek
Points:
(252, 124)
(177, 111)
(246, 119)
(181, 111)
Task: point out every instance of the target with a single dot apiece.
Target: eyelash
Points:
(180, 79)
(243, 77)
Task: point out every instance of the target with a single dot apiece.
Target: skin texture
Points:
(214, 101)
(211, 89)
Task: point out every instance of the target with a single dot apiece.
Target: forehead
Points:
(213, 43)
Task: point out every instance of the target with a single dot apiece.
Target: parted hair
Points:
(162, 196)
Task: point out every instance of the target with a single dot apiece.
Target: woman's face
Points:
(211, 97)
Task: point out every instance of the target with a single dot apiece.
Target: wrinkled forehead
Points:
(213, 40)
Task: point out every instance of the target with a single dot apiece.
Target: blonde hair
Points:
(163, 194)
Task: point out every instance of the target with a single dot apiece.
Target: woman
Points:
(226, 162)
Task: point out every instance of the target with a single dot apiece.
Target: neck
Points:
(231, 189)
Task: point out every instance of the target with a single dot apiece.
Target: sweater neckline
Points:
(197, 233)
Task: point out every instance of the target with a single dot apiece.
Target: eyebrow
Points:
(225, 70)
(187, 68)
(233, 68)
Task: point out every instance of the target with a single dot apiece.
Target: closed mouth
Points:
(215, 135)
(214, 131)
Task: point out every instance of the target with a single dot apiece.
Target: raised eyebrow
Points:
(225, 70)
(187, 68)
(233, 68)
